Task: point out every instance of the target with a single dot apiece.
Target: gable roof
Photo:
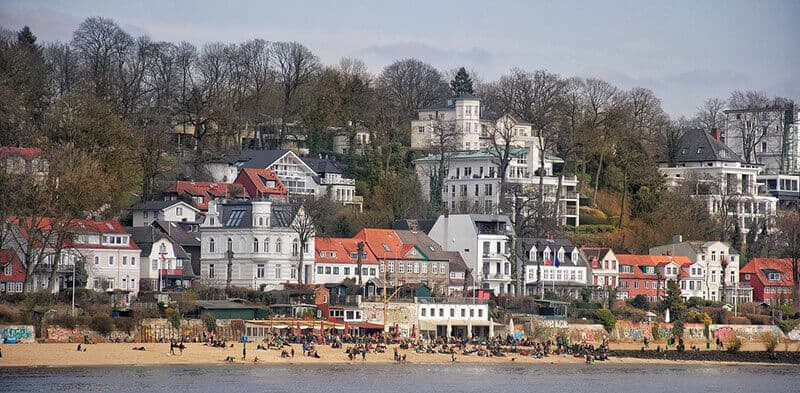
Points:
(425, 244)
(760, 267)
(384, 243)
(160, 205)
(344, 247)
(205, 189)
(180, 232)
(638, 261)
(27, 152)
(145, 237)
(697, 145)
(424, 225)
(260, 178)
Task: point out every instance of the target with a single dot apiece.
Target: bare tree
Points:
(502, 137)
(755, 118)
(444, 138)
(710, 114)
(304, 227)
(101, 45)
(295, 67)
(788, 233)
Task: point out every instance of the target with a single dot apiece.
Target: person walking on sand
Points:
(292, 352)
(244, 351)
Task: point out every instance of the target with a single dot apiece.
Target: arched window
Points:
(255, 245)
(230, 244)
(295, 247)
(211, 245)
(266, 245)
(278, 245)
(261, 221)
(162, 249)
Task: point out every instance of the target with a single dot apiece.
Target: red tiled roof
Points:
(27, 152)
(259, 178)
(343, 248)
(105, 227)
(384, 243)
(638, 261)
(757, 266)
(208, 190)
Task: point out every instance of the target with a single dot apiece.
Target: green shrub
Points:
(655, 332)
(592, 216)
(630, 313)
(787, 325)
(677, 329)
(102, 324)
(770, 340)
(641, 302)
(734, 345)
(607, 318)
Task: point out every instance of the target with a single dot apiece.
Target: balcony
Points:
(337, 182)
(496, 276)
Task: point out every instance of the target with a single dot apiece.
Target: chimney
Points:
(717, 134)
(677, 239)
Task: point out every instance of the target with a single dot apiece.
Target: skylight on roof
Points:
(110, 227)
(386, 247)
(235, 218)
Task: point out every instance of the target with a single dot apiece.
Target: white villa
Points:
(715, 264)
(265, 249)
(712, 172)
(556, 265)
(146, 212)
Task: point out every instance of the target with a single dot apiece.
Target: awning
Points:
(280, 326)
(367, 325)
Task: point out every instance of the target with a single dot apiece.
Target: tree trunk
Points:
(300, 265)
(597, 178)
(54, 270)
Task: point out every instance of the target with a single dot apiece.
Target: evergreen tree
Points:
(674, 301)
(27, 39)
(462, 83)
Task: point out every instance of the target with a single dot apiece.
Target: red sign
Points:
(171, 272)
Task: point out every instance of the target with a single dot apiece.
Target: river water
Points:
(596, 378)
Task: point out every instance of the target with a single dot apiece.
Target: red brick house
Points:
(12, 272)
(261, 183)
(771, 279)
(647, 274)
(201, 192)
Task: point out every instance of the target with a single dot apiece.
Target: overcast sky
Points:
(685, 51)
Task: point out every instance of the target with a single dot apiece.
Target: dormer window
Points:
(774, 277)
(683, 151)
(700, 150)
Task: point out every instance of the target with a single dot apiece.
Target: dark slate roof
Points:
(554, 244)
(492, 224)
(181, 232)
(420, 225)
(252, 158)
(282, 215)
(239, 214)
(323, 165)
(698, 145)
(146, 236)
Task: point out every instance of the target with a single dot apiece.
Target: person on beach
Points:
(171, 347)
(292, 352)
(244, 351)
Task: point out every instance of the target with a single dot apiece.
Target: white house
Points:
(165, 263)
(556, 265)
(265, 248)
(146, 212)
(604, 265)
(714, 264)
(483, 241)
(472, 180)
(108, 254)
(300, 175)
(336, 259)
(766, 136)
(456, 317)
(713, 173)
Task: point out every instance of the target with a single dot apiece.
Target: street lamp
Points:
(539, 270)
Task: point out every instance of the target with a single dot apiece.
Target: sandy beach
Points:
(107, 354)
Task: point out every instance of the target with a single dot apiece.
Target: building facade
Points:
(713, 173)
(554, 265)
(770, 278)
(648, 275)
(258, 240)
(484, 244)
(337, 259)
(765, 136)
(146, 212)
(604, 266)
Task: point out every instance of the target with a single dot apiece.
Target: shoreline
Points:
(157, 354)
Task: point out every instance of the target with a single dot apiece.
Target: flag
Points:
(548, 262)
(558, 263)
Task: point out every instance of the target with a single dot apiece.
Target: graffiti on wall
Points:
(17, 333)
(58, 334)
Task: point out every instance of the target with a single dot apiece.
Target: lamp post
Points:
(539, 270)
(73, 287)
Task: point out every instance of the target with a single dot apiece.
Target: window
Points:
(424, 268)
(327, 270)
(402, 268)
(441, 312)
(372, 271)
(277, 271)
(8, 270)
(211, 245)
(382, 266)
(423, 311)
(261, 221)
(636, 284)
(471, 312)
(319, 269)
(266, 245)
(346, 271)
(260, 271)
(452, 312)
(487, 189)
(110, 260)
(463, 313)
(179, 211)
(255, 245)
(96, 260)
(211, 272)
(774, 276)
(125, 260)
(421, 130)
(336, 270)
(110, 283)
(391, 267)
(278, 245)
(133, 262)
(295, 247)
(434, 268)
